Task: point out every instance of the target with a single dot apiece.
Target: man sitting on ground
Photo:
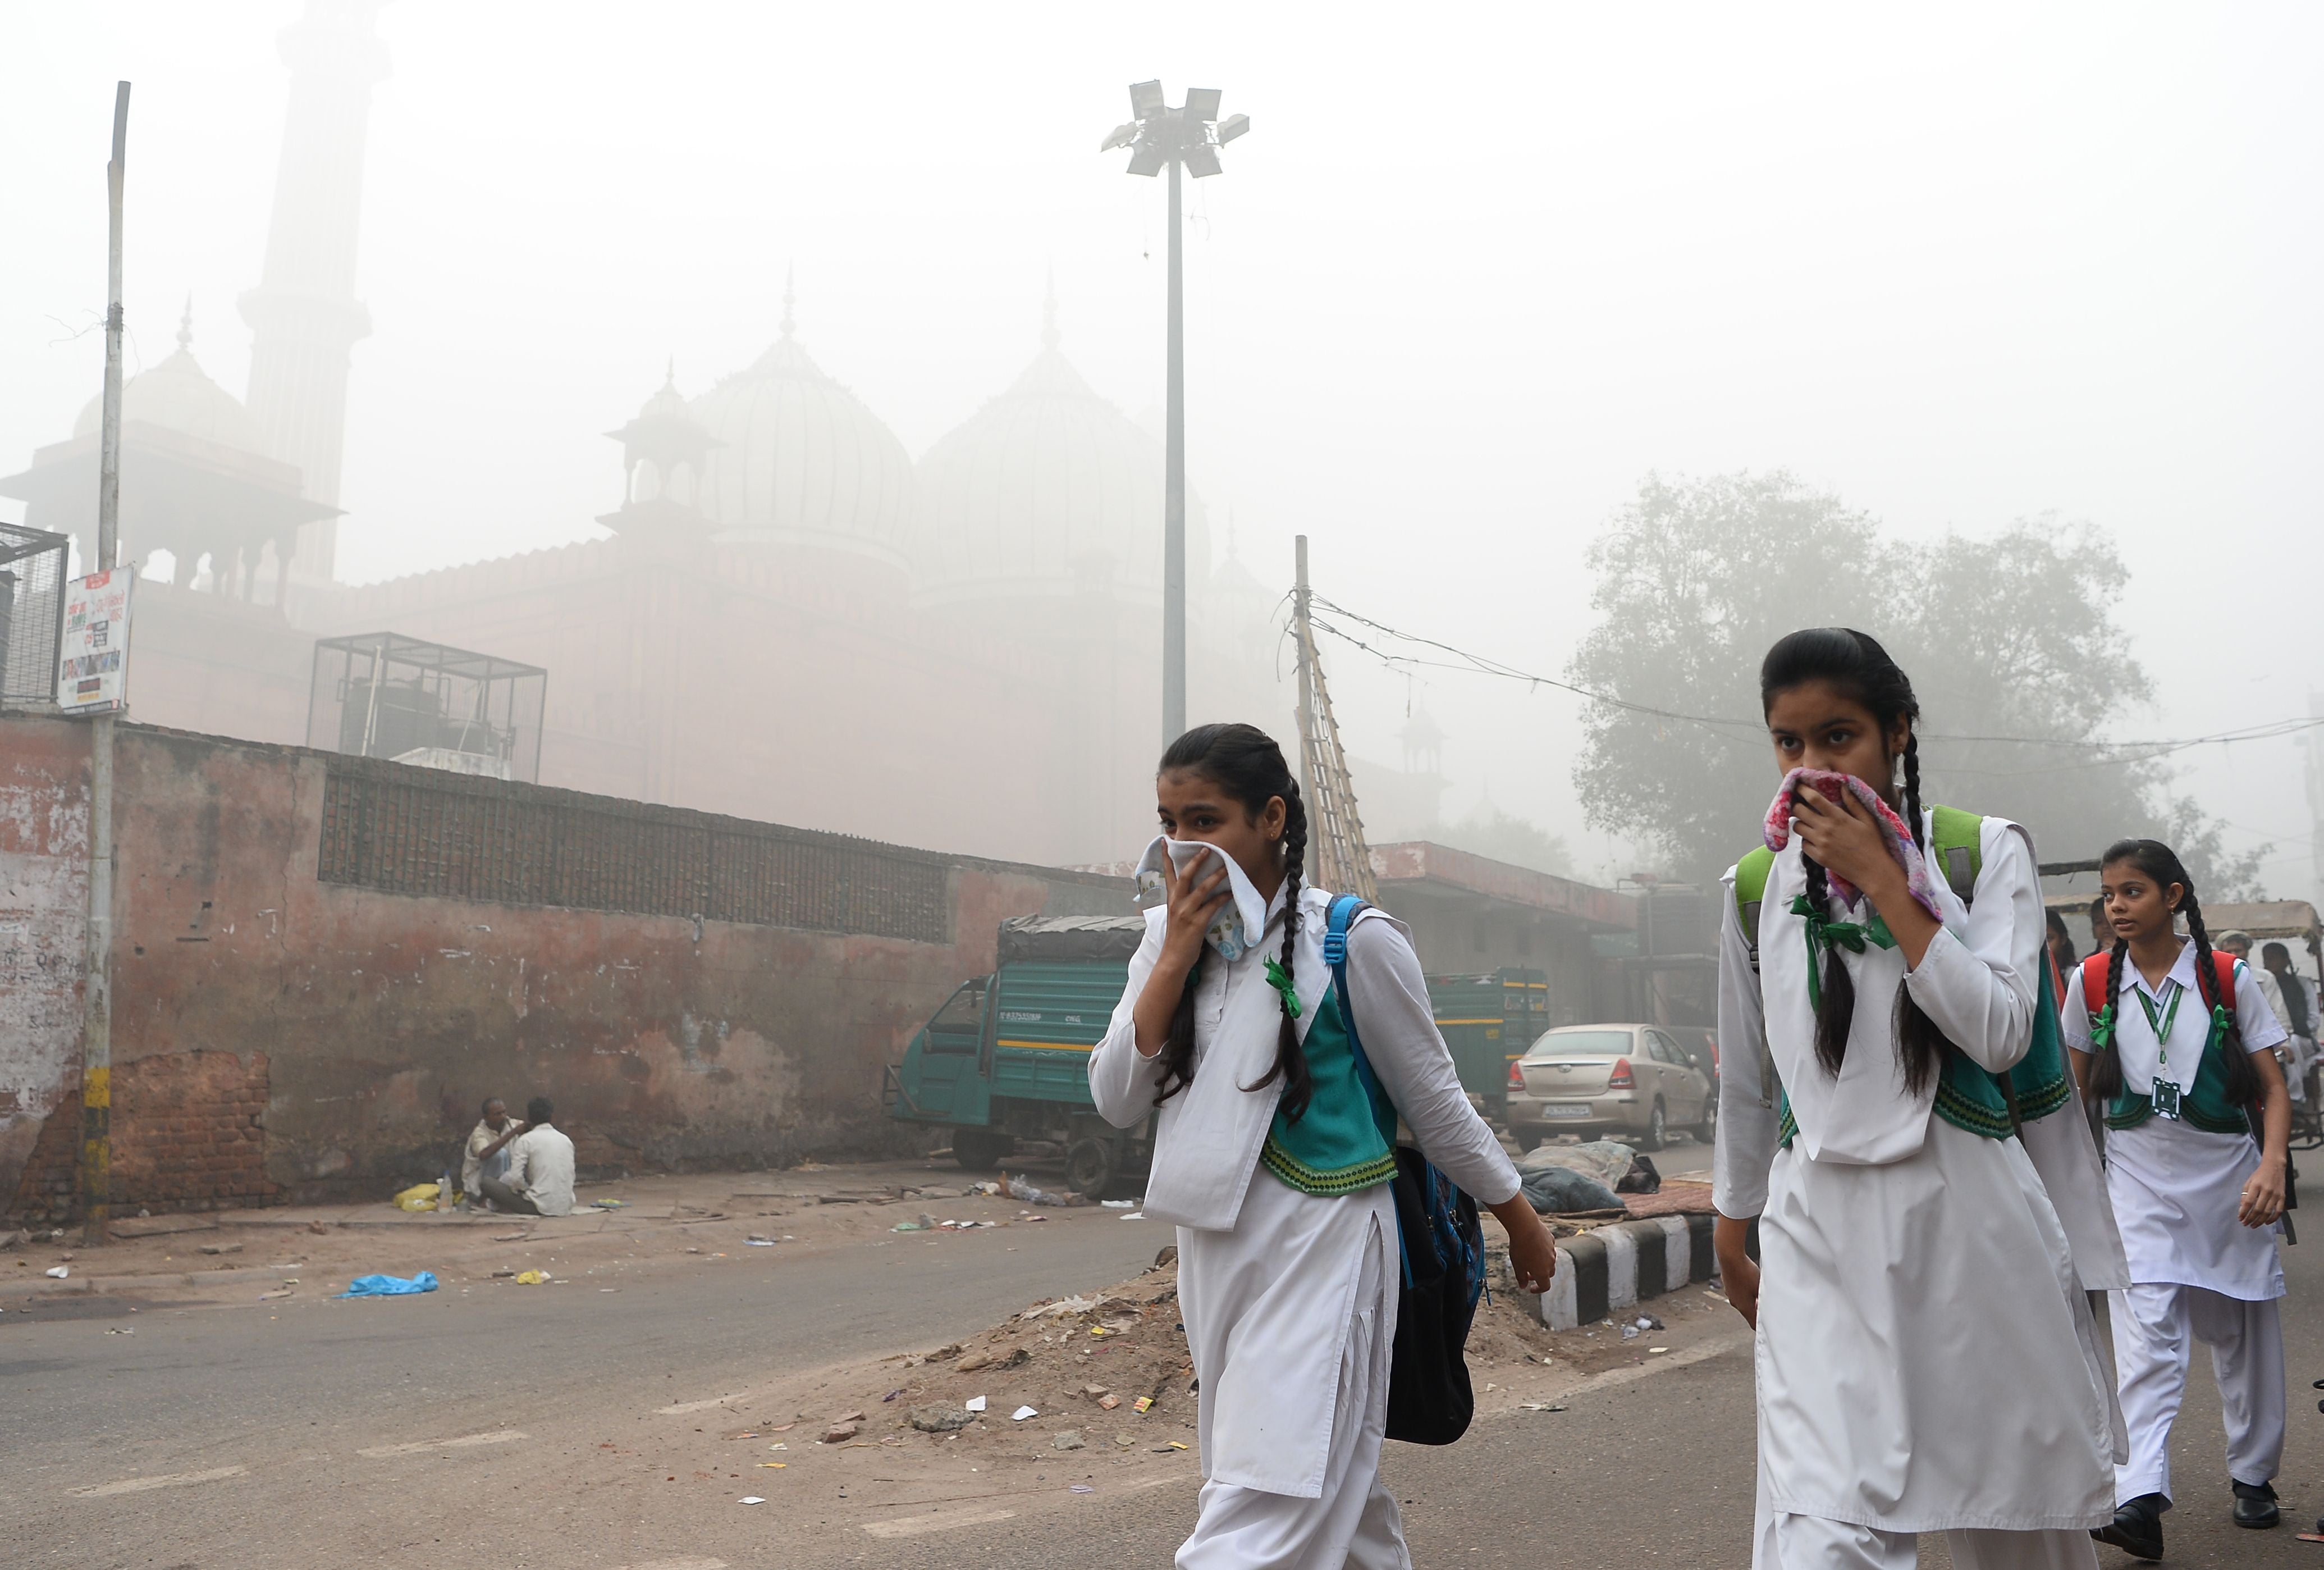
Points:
(487, 1153)
(540, 1181)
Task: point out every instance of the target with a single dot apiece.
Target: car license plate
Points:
(1566, 1109)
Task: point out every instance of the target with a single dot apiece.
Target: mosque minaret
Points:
(304, 315)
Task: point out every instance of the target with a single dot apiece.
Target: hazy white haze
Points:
(1475, 272)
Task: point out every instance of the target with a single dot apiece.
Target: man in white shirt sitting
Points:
(540, 1181)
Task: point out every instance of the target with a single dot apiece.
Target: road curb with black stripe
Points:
(1611, 1268)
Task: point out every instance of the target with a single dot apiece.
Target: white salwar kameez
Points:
(1290, 1298)
(2197, 1273)
(1926, 1355)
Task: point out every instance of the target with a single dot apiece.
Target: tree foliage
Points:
(2021, 671)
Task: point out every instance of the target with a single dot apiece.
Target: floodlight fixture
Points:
(1187, 137)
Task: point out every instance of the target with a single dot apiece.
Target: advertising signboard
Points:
(93, 662)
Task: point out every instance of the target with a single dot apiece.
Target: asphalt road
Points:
(262, 1434)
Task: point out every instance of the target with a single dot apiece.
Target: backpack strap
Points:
(1752, 870)
(2094, 982)
(2223, 966)
(1345, 908)
(1752, 873)
(1957, 844)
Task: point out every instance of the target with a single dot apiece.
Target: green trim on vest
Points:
(1345, 1142)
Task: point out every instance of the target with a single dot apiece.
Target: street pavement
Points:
(470, 1429)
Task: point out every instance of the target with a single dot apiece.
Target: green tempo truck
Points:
(1007, 1058)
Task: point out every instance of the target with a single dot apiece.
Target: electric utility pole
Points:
(1338, 858)
(96, 1169)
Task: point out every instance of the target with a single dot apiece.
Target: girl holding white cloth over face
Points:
(1275, 1161)
(1926, 1356)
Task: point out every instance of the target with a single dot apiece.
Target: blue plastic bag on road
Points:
(390, 1286)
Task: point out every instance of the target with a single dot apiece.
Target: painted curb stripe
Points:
(1621, 1266)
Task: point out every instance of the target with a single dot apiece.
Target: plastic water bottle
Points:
(444, 1193)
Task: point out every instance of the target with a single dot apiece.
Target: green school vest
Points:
(1345, 1142)
(2205, 1104)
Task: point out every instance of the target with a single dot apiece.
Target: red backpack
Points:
(2094, 982)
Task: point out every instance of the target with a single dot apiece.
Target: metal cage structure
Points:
(34, 563)
(384, 695)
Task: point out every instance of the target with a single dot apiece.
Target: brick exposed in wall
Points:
(44, 1190)
(404, 833)
(189, 1132)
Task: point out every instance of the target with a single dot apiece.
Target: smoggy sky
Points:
(1471, 276)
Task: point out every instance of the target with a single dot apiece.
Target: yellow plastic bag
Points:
(531, 1278)
(419, 1196)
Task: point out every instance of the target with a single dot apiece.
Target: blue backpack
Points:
(1430, 1399)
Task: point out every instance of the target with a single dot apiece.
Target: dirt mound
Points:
(1085, 1363)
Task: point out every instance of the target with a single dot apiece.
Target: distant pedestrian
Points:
(2199, 1199)
(1276, 1159)
(2061, 943)
(540, 1181)
(2298, 995)
(1926, 1357)
(486, 1155)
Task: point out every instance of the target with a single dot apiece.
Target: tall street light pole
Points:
(1188, 136)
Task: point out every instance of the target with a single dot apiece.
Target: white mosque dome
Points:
(179, 396)
(802, 459)
(1048, 490)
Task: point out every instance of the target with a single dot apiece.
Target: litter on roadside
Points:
(1118, 1204)
(531, 1278)
(758, 1242)
(1082, 1488)
(608, 1203)
(752, 1499)
(975, 1403)
(1143, 1405)
(1539, 1407)
(1021, 1413)
(1135, 1216)
(390, 1286)
(1063, 1307)
(59, 1272)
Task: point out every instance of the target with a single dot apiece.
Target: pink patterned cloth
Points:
(1829, 784)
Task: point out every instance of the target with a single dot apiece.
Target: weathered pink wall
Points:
(368, 1025)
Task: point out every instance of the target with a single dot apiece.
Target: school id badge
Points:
(2166, 1099)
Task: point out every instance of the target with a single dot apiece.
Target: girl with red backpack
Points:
(2182, 1059)
(1926, 1359)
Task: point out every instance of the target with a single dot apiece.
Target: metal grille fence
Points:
(32, 563)
(455, 838)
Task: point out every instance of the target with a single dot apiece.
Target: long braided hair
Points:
(1244, 762)
(2161, 863)
(1858, 667)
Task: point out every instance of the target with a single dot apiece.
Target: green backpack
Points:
(1996, 1105)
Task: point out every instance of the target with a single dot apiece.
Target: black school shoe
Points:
(2137, 1526)
(2255, 1505)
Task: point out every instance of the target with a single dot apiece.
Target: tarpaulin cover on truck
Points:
(1066, 937)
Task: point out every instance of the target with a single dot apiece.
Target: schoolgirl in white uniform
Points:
(1926, 1356)
(2197, 1200)
(1275, 1163)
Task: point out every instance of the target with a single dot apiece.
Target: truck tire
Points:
(980, 1150)
(1091, 1165)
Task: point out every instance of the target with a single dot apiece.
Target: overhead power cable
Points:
(2129, 752)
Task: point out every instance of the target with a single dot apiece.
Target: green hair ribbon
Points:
(2102, 1030)
(1823, 933)
(1280, 980)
